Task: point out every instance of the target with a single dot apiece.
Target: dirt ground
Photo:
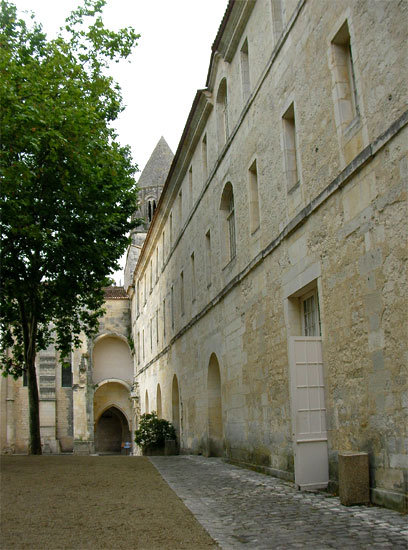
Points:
(86, 502)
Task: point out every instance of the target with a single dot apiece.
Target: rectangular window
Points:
(138, 298)
(151, 334)
(163, 247)
(143, 344)
(190, 188)
(145, 289)
(204, 158)
(157, 263)
(231, 228)
(164, 320)
(208, 256)
(345, 81)
(310, 315)
(180, 208)
(66, 374)
(290, 148)
(277, 19)
(253, 197)
(171, 230)
(182, 292)
(151, 275)
(246, 85)
(138, 348)
(157, 326)
(193, 278)
(172, 306)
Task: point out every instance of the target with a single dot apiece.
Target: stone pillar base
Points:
(84, 447)
(354, 486)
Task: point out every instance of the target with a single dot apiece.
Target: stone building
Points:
(269, 299)
(267, 307)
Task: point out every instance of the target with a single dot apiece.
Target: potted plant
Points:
(152, 434)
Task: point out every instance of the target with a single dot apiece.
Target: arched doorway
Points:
(158, 402)
(175, 401)
(112, 429)
(215, 427)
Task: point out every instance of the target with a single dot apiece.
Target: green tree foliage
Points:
(153, 431)
(67, 186)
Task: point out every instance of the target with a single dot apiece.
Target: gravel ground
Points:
(92, 502)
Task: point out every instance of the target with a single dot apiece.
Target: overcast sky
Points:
(169, 65)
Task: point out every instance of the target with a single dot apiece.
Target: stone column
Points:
(82, 405)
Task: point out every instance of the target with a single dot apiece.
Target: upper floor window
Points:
(222, 113)
(290, 148)
(253, 197)
(246, 86)
(190, 188)
(227, 210)
(208, 259)
(277, 19)
(204, 158)
(344, 76)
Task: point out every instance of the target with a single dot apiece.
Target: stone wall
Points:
(319, 207)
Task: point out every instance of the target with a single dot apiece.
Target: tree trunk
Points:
(29, 326)
(34, 407)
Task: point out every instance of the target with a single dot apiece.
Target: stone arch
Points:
(175, 409)
(227, 223)
(215, 423)
(159, 402)
(111, 431)
(222, 113)
(146, 402)
(111, 359)
(112, 395)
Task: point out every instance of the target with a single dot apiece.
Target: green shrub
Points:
(153, 431)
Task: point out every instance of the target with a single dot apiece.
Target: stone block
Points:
(354, 486)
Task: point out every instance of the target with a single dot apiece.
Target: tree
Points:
(67, 186)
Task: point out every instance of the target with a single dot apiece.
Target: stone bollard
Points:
(354, 485)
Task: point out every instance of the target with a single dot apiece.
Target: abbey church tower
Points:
(150, 184)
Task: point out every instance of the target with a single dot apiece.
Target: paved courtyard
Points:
(242, 509)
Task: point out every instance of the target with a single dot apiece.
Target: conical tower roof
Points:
(157, 167)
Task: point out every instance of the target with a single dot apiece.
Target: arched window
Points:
(227, 211)
(222, 113)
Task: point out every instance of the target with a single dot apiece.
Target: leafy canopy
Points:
(67, 186)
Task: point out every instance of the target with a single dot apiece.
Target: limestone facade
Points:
(269, 299)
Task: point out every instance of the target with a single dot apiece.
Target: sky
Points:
(168, 66)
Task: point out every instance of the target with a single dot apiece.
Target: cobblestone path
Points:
(245, 510)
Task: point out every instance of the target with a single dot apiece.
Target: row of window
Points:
(348, 111)
(66, 375)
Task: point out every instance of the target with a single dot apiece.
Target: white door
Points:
(308, 412)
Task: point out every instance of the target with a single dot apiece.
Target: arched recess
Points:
(146, 402)
(159, 402)
(215, 424)
(111, 358)
(111, 431)
(112, 395)
(222, 113)
(175, 401)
